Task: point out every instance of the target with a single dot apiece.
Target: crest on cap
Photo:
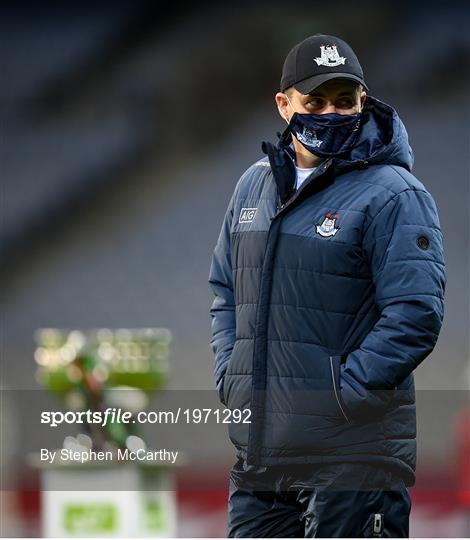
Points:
(329, 56)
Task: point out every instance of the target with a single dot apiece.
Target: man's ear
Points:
(282, 106)
(362, 98)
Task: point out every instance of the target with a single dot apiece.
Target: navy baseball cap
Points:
(318, 59)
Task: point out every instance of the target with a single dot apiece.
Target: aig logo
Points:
(247, 215)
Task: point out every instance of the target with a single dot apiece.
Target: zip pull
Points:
(362, 164)
(378, 525)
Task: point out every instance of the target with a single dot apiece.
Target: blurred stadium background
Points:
(125, 128)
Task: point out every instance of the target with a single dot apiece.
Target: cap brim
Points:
(308, 85)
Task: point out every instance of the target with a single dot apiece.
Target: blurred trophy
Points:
(102, 369)
(97, 371)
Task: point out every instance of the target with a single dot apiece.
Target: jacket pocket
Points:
(335, 370)
(220, 389)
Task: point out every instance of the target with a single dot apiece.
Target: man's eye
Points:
(315, 103)
(346, 103)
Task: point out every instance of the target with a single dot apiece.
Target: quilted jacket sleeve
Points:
(403, 244)
(223, 307)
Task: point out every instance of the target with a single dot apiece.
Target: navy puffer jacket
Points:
(326, 300)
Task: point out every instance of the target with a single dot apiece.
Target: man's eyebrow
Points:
(342, 93)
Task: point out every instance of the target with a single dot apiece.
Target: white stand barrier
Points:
(108, 501)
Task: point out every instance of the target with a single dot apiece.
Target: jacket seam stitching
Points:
(409, 294)
(289, 377)
(434, 227)
(287, 341)
(384, 188)
(303, 414)
(437, 261)
(410, 186)
(355, 313)
(316, 239)
(305, 270)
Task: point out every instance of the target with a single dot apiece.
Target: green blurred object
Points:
(90, 519)
(104, 368)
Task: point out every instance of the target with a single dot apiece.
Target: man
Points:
(329, 281)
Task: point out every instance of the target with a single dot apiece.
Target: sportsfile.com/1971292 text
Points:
(176, 416)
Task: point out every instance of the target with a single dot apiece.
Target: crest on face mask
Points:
(308, 137)
(330, 56)
(328, 226)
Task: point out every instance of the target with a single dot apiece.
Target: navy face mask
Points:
(325, 135)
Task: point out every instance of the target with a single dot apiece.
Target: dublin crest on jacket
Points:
(328, 227)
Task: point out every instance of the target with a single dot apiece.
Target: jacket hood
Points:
(382, 138)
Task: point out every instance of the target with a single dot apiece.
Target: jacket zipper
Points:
(258, 385)
(256, 427)
(378, 525)
(282, 207)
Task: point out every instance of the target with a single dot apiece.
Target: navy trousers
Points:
(326, 501)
